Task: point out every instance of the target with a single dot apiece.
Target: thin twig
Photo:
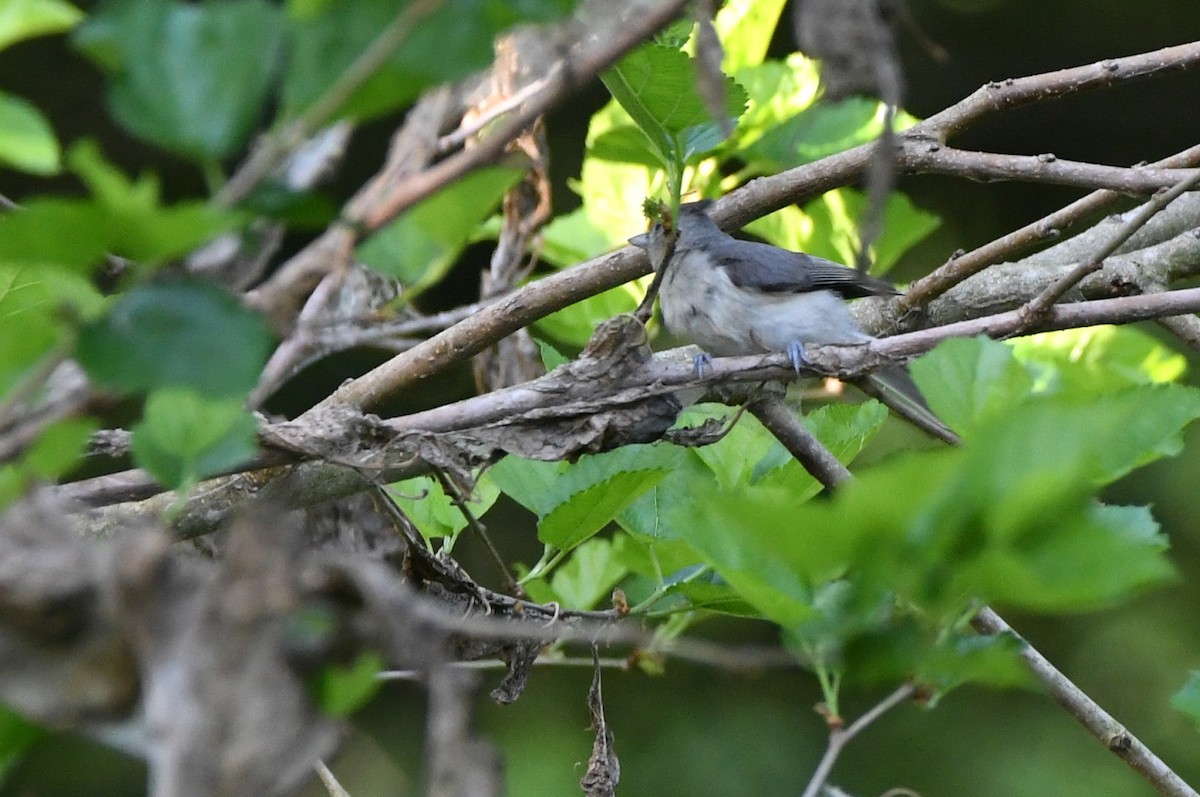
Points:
(840, 737)
(777, 417)
(332, 786)
(1036, 307)
(1047, 228)
(1089, 714)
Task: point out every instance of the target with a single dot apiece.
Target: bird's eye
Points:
(658, 227)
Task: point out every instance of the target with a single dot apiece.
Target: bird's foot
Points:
(702, 362)
(795, 353)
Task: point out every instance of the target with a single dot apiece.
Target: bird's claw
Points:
(795, 353)
(701, 362)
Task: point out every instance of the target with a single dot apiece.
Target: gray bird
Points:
(733, 297)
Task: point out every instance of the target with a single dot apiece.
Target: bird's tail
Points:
(895, 389)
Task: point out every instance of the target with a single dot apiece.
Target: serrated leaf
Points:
(176, 333)
(734, 457)
(193, 78)
(588, 511)
(25, 19)
(185, 436)
(27, 142)
(966, 381)
(419, 247)
(656, 86)
(138, 226)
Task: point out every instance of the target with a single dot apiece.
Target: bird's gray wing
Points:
(773, 270)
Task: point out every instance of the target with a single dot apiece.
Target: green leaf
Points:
(138, 226)
(828, 227)
(25, 19)
(125, 218)
(656, 85)
(439, 42)
(1187, 699)
(17, 735)
(969, 380)
(1099, 359)
(185, 436)
(58, 450)
(588, 511)
(574, 325)
(193, 78)
(575, 501)
(27, 141)
(433, 512)
(844, 430)
(734, 457)
(589, 574)
(24, 239)
(176, 333)
(745, 28)
(36, 308)
(822, 130)
(420, 246)
(342, 690)
(778, 90)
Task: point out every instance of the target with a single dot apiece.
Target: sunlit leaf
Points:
(27, 141)
(25, 19)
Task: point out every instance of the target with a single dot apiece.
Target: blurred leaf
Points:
(58, 450)
(822, 130)
(341, 690)
(35, 307)
(27, 141)
(29, 238)
(574, 325)
(588, 576)
(968, 380)
(177, 333)
(656, 85)
(777, 90)
(138, 226)
(185, 436)
(745, 28)
(828, 228)
(442, 42)
(17, 735)
(1099, 359)
(193, 78)
(25, 19)
(433, 512)
(1187, 699)
(419, 247)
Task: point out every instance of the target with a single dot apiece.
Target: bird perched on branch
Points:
(732, 297)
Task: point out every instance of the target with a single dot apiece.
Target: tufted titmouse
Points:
(733, 297)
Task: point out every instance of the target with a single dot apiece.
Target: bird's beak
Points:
(641, 241)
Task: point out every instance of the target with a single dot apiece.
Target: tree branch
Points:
(1091, 716)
